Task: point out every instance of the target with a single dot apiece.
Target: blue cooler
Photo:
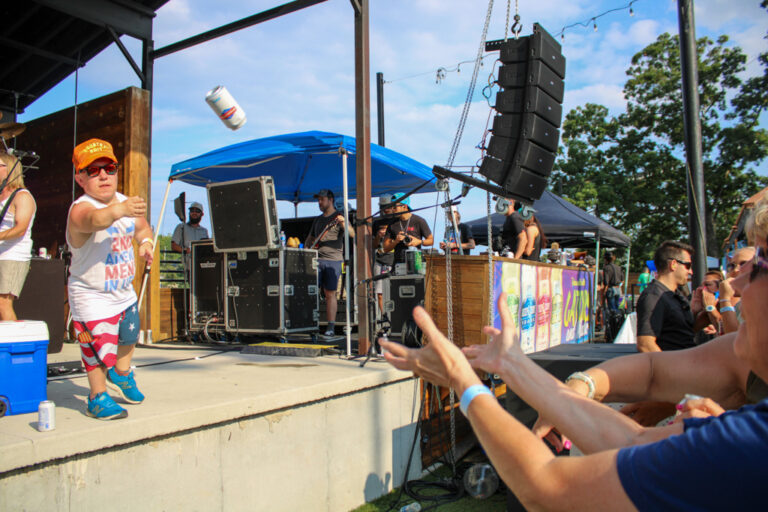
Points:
(23, 366)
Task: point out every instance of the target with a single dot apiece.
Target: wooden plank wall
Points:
(122, 118)
(470, 297)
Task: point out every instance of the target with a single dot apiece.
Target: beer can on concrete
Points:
(225, 106)
(46, 416)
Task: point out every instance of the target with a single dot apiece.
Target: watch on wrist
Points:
(709, 309)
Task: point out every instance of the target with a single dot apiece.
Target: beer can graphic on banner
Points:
(225, 106)
(46, 416)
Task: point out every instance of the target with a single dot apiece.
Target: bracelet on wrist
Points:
(147, 240)
(725, 309)
(470, 394)
(725, 300)
(586, 379)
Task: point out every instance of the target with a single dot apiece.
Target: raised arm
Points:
(84, 218)
(523, 461)
(710, 370)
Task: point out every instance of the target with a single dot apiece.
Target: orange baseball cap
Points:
(91, 150)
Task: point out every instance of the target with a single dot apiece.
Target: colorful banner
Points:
(549, 305)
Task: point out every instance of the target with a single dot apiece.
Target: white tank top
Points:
(18, 249)
(102, 270)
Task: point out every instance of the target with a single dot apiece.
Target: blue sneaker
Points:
(104, 408)
(126, 385)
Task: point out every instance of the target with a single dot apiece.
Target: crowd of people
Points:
(707, 456)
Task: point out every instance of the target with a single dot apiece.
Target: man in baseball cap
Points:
(327, 236)
(191, 231)
(101, 227)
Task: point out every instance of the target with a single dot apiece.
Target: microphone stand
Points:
(371, 304)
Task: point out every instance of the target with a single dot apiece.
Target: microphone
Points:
(379, 277)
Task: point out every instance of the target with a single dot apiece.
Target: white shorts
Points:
(379, 269)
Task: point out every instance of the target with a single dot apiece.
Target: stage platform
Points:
(219, 430)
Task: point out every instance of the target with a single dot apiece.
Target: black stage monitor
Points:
(244, 215)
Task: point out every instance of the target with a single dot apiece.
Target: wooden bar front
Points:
(470, 286)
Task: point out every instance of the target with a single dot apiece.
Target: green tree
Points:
(631, 170)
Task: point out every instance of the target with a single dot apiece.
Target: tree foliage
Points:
(631, 169)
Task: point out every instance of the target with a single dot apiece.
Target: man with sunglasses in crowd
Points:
(188, 232)
(664, 317)
(101, 227)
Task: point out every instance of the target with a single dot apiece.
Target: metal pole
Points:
(626, 271)
(594, 290)
(380, 106)
(363, 170)
(154, 242)
(347, 278)
(692, 127)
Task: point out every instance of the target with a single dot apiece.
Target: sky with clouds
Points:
(296, 73)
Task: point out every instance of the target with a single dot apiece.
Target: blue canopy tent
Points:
(300, 165)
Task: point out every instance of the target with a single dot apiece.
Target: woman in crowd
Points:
(537, 240)
(15, 233)
(709, 463)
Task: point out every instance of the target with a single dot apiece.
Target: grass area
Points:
(390, 502)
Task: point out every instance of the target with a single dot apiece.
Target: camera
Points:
(407, 240)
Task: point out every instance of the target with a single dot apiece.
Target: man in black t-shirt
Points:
(384, 261)
(611, 281)
(664, 317)
(465, 235)
(408, 231)
(513, 232)
(327, 236)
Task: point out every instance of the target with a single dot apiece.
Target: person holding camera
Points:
(409, 230)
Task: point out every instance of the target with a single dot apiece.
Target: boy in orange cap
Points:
(101, 227)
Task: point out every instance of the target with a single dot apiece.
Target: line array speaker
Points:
(525, 133)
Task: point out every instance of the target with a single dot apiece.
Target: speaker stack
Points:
(526, 130)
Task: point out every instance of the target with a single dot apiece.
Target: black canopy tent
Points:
(566, 224)
(563, 222)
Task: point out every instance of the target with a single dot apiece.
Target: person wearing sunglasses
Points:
(664, 317)
(19, 210)
(101, 228)
(713, 463)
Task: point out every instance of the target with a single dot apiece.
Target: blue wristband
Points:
(470, 394)
(725, 309)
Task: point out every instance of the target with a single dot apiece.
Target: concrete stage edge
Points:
(218, 431)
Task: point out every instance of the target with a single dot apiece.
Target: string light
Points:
(593, 19)
(441, 72)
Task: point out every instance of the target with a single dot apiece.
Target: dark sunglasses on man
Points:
(95, 170)
(686, 264)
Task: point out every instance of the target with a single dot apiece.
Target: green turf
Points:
(495, 503)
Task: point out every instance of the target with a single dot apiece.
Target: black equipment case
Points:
(271, 291)
(207, 286)
(401, 295)
(244, 215)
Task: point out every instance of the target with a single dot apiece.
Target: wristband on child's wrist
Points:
(470, 394)
(147, 240)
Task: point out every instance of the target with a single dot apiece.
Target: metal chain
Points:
(449, 164)
(490, 255)
(506, 21)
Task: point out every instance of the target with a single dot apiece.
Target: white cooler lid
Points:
(23, 330)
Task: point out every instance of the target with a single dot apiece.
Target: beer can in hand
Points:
(46, 416)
